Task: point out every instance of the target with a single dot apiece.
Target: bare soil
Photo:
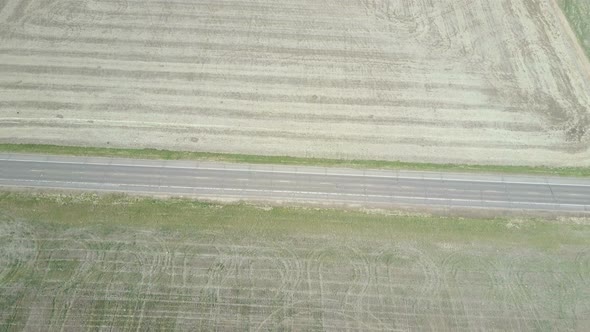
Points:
(478, 81)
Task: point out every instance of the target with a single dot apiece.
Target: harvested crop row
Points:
(487, 82)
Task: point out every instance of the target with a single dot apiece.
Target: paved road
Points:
(296, 184)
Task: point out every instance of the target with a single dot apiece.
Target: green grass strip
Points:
(236, 221)
(284, 160)
(578, 15)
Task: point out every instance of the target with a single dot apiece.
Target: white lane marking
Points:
(217, 196)
(291, 192)
(440, 179)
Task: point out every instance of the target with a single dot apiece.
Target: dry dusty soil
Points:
(464, 81)
(281, 272)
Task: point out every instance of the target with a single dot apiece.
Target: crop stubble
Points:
(485, 81)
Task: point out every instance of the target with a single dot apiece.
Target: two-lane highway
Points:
(370, 188)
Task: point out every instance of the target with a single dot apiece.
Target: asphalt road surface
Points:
(318, 185)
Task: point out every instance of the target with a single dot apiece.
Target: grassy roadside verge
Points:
(578, 15)
(284, 160)
(111, 212)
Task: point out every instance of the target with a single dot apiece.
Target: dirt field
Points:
(79, 264)
(469, 81)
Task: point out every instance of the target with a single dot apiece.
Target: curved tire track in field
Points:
(338, 279)
(561, 291)
(291, 270)
(151, 254)
(460, 268)
(18, 247)
(405, 258)
(18, 256)
(65, 19)
(354, 300)
(79, 259)
(583, 265)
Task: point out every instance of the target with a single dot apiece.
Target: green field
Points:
(578, 14)
(85, 262)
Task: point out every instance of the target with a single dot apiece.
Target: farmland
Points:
(475, 82)
(578, 14)
(79, 262)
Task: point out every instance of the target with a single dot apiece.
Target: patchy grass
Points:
(112, 211)
(80, 262)
(578, 14)
(283, 160)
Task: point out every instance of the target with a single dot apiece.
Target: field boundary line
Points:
(272, 171)
(231, 158)
(418, 198)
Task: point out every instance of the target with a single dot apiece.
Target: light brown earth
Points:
(468, 81)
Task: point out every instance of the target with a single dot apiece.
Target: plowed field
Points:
(463, 81)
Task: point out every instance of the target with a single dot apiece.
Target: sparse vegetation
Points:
(117, 262)
(578, 14)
